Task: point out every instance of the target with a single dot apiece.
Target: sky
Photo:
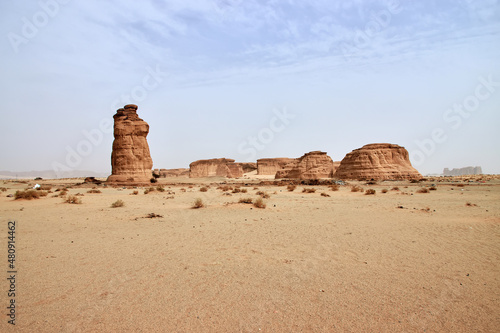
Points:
(250, 79)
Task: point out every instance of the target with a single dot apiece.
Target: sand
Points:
(306, 263)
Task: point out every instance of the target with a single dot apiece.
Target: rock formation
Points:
(164, 173)
(130, 160)
(463, 171)
(248, 167)
(269, 166)
(377, 161)
(313, 165)
(219, 167)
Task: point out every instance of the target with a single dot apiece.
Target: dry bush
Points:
(334, 187)
(225, 188)
(149, 190)
(203, 189)
(356, 188)
(236, 190)
(395, 188)
(246, 200)
(190, 186)
(153, 216)
(73, 199)
(118, 203)
(469, 204)
(414, 181)
(28, 194)
(370, 191)
(255, 188)
(325, 195)
(423, 190)
(135, 193)
(385, 190)
(94, 191)
(244, 190)
(371, 182)
(263, 194)
(309, 190)
(460, 185)
(433, 188)
(44, 188)
(198, 203)
(259, 203)
(291, 188)
(3, 189)
(183, 190)
(160, 188)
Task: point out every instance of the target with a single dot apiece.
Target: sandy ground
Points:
(307, 263)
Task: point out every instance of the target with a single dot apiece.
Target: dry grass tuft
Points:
(94, 191)
(149, 190)
(469, 204)
(384, 190)
(291, 188)
(73, 199)
(204, 189)
(423, 190)
(135, 193)
(198, 203)
(325, 195)
(334, 187)
(356, 188)
(259, 203)
(309, 190)
(118, 203)
(246, 200)
(395, 188)
(370, 191)
(29, 194)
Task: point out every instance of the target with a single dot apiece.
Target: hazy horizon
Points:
(251, 79)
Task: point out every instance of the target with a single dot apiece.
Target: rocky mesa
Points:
(217, 167)
(378, 161)
(313, 165)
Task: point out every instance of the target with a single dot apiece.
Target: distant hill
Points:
(51, 174)
(463, 171)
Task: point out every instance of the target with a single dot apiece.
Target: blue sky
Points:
(250, 79)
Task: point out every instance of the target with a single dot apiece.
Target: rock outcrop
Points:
(313, 165)
(463, 171)
(248, 167)
(219, 167)
(164, 173)
(269, 166)
(377, 161)
(130, 160)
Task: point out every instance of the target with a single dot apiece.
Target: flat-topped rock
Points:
(217, 167)
(313, 165)
(269, 166)
(377, 161)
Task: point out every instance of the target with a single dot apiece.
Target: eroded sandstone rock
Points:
(269, 166)
(130, 160)
(217, 167)
(313, 165)
(377, 161)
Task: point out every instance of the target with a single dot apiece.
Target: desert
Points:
(317, 258)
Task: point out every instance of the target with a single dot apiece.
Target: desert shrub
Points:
(309, 190)
(334, 187)
(432, 188)
(325, 195)
(356, 188)
(423, 190)
(395, 188)
(460, 185)
(94, 191)
(236, 190)
(469, 204)
(149, 190)
(246, 200)
(255, 188)
(190, 186)
(27, 194)
(118, 203)
(153, 180)
(370, 191)
(225, 188)
(198, 203)
(63, 192)
(44, 188)
(203, 189)
(259, 203)
(414, 181)
(385, 190)
(371, 182)
(291, 188)
(73, 199)
(244, 190)
(160, 188)
(135, 193)
(3, 189)
(263, 194)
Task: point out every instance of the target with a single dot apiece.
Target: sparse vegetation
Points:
(432, 188)
(153, 216)
(246, 200)
(29, 194)
(244, 190)
(423, 190)
(225, 188)
(460, 185)
(160, 188)
(135, 193)
(263, 194)
(94, 191)
(291, 188)
(309, 190)
(395, 188)
(384, 190)
(370, 191)
(236, 190)
(325, 195)
(204, 189)
(44, 188)
(73, 199)
(198, 203)
(334, 187)
(356, 188)
(3, 189)
(118, 203)
(149, 190)
(469, 204)
(153, 180)
(259, 203)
